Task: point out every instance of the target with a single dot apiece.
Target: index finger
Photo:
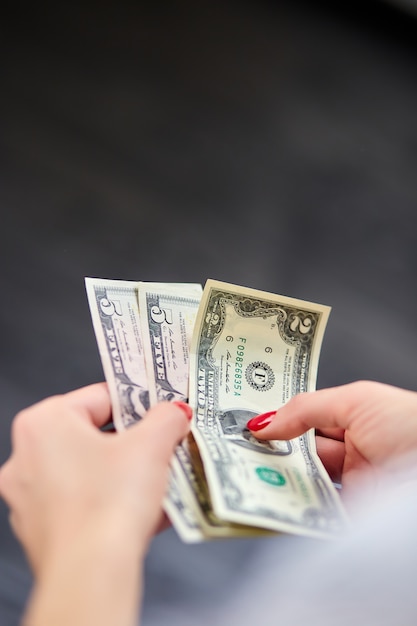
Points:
(326, 410)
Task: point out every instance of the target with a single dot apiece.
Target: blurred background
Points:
(268, 144)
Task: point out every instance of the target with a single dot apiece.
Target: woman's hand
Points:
(363, 428)
(64, 473)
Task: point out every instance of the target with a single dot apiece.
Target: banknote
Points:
(167, 316)
(116, 320)
(115, 316)
(251, 352)
(144, 331)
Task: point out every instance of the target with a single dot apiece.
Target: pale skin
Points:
(85, 504)
(365, 430)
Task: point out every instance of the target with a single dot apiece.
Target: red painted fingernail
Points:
(186, 408)
(260, 421)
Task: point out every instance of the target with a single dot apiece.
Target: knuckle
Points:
(363, 388)
(6, 481)
(20, 423)
(25, 420)
(298, 402)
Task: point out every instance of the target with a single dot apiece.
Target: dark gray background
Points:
(269, 144)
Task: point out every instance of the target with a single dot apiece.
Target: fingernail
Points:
(186, 408)
(260, 421)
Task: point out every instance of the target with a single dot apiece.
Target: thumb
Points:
(161, 430)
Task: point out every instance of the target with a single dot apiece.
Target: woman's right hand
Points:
(64, 473)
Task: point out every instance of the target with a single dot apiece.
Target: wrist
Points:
(93, 576)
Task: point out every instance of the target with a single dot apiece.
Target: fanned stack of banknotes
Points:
(232, 353)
